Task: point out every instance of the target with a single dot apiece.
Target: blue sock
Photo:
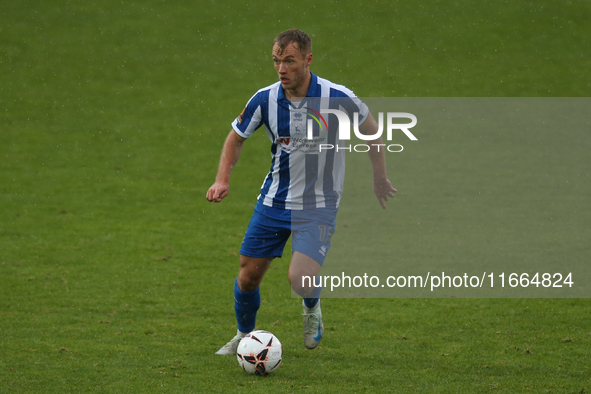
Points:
(246, 304)
(311, 302)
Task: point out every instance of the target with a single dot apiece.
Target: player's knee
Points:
(251, 273)
(247, 281)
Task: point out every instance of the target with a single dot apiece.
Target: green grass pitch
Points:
(116, 274)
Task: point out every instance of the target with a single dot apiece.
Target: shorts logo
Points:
(322, 250)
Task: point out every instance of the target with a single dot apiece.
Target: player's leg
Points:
(302, 276)
(310, 243)
(252, 271)
(247, 297)
(303, 271)
(264, 240)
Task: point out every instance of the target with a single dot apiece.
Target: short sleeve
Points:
(251, 117)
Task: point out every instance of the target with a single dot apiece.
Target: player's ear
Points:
(308, 59)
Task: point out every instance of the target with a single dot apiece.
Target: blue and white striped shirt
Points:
(301, 175)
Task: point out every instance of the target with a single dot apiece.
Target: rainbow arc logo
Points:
(318, 120)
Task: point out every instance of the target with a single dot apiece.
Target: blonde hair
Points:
(296, 36)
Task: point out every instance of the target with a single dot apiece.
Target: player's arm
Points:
(230, 154)
(381, 185)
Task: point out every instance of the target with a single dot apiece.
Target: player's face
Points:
(292, 67)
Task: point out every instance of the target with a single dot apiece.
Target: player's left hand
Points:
(383, 189)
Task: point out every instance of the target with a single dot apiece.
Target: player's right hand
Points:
(217, 192)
